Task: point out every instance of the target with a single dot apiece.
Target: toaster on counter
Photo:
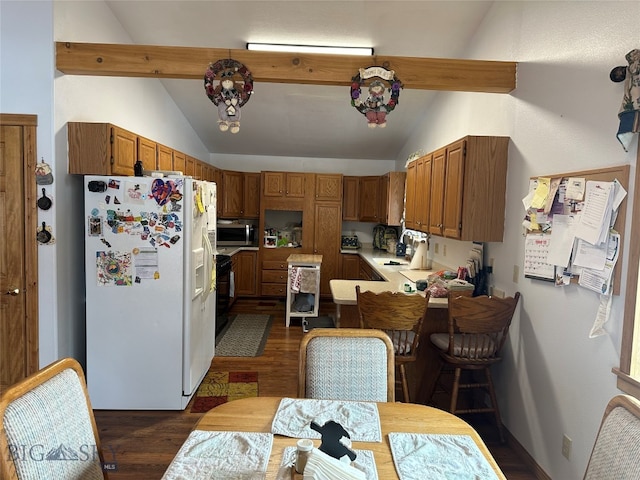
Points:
(350, 241)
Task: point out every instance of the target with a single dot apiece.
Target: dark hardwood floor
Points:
(142, 443)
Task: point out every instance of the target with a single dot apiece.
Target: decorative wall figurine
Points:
(629, 113)
(230, 93)
(374, 107)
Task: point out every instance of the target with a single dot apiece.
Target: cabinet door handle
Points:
(13, 292)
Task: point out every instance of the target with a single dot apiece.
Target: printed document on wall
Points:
(600, 280)
(596, 215)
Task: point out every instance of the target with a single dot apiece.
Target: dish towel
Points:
(221, 455)
(629, 113)
(454, 457)
(309, 280)
(364, 462)
(294, 416)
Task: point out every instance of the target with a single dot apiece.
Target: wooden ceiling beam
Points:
(319, 69)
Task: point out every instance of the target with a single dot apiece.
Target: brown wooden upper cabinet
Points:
(190, 166)
(101, 149)
(233, 194)
(238, 194)
(284, 184)
(391, 198)
(147, 153)
(329, 187)
(419, 192)
(251, 195)
(369, 204)
(378, 199)
(179, 162)
(165, 158)
(351, 199)
(467, 184)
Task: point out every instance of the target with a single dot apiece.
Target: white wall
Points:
(562, 117)
(26, 30)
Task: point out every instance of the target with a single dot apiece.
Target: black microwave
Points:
(240, 233)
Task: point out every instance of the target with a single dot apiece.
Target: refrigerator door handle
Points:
(209, 265)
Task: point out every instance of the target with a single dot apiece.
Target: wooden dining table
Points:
(256, 414)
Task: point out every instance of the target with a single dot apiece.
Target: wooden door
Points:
(18, 249)
(124, 150)
(147, 153)
(411, 192)
(328, 187)
(251, 195)
(453, 190)
(438, 170)
(327, 235)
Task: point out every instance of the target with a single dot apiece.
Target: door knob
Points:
(13, 292)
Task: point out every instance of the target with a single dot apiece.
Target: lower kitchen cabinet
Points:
(244, 271)
(350, 266)
(273, 274)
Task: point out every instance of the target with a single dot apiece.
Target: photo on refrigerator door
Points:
(113, 269)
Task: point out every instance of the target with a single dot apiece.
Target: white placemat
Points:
(364, 462)
(222, 455)
(294, 416)
(451, 457)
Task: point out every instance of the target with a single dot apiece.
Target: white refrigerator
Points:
(150, 289)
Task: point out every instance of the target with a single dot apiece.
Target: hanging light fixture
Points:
(275, 47)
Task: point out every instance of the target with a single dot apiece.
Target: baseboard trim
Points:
(521, 452)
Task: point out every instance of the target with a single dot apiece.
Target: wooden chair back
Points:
(346, 364)
(478, 326)
(49, 412)
(399, 315)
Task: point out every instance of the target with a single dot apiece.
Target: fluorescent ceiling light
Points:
(274, 47)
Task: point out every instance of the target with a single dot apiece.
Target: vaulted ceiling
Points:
(310, 115)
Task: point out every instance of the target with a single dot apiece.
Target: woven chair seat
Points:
(484, 348)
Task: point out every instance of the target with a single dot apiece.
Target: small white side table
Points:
(303, 286)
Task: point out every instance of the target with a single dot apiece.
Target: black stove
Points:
(223, 290)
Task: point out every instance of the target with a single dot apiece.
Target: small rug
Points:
(244, 336)
(221, 387)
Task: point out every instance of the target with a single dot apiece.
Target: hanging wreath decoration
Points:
(230, 93)
(373, 106)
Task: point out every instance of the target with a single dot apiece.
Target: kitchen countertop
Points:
(232, 250)
(344, 291)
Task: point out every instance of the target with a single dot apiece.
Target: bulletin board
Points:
(537, 241)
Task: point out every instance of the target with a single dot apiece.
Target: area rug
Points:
(244, 336)
(221, 387)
